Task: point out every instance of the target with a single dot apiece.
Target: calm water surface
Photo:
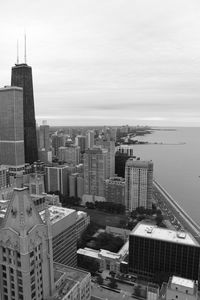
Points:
(176, 167)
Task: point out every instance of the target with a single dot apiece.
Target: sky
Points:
(107, 62)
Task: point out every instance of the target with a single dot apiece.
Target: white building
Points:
(181, 289)
(138, 183)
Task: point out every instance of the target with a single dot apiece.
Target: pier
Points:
(179, 214)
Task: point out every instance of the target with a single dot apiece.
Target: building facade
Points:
(22, 77)
(114, 190)
(70, 154)
(153, 250)
(139, 184)
(11, 127)
(95, 171)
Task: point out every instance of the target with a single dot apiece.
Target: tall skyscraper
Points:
(11, 127)
(22, 77)
(44, 142)
(90, 139)
(139, 183)
(110, 165)
(95, 171)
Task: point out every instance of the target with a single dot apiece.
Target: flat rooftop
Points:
(69, 277)
(56, 213)
(183, 282)
(154, 232)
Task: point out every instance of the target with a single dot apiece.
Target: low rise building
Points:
(181, 288)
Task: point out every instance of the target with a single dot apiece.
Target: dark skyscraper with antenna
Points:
(22, 77)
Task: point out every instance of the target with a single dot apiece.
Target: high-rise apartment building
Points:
(114, 190)
(44, 142)
(110, 165)
(139, 184)
(80, 140)
(70, 154)
(95, 171)
(58, 140)
(11, 127)
(89, 139)
(22, 77)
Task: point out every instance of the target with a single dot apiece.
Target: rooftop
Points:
(154, 232)
(57, 213)
(183, 282)
(66, 278)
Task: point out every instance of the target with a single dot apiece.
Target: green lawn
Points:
(104, 219)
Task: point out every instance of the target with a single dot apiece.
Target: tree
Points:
(113, 283)
(99, 280)
(158, 219)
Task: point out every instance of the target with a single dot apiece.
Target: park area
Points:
(103, 219)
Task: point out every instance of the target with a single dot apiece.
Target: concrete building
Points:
(12, 127)
(57, 178)
(22, 77)
(4, 177)
(80, 140)
(106, 260)
(153, 249)
(114, 190)
(58, 140)
(89, 139)
(44, 141)
(181, 288)
(76, 185)
(82, 222)
(95, 171)
(63, 221)
(70, 154)
(139, 184)
(27, 270)
(110, 164)
(36, 184)
(125, 149)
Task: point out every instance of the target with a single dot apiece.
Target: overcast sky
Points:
(111, 62)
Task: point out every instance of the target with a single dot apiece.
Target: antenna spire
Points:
(17, 52)
(25, 48)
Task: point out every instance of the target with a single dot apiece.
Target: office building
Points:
(36, 184)
(120, 163)
(89, 139)
(69, 155)
(26, 265)
(22, 77)
(11, 127)
(80, 140)
(125, 149)
(44, 141)
(58, 140)
(139, 184)
(95, 171)
(114, 190)
(181, 288)
(64, 239)
(4, 177)
(153, 250)
(27, 270)
(56, 179)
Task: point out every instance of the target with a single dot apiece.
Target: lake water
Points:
(176, 167)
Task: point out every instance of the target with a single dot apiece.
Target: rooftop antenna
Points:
(17, 52)
(25, 48)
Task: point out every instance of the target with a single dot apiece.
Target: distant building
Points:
(44, 141)
(95, 171)
(139, 184)
(90, 139)
(114, 190)
(4, 177)
(82, 222)
(80, 140)
(58, 140)
(36, 184)
(110, 164)
(125, 149)
(70, 154)
(22, 77)
(120, 162)
(57, 178)
(153, 250)
(12, 127)
(182, 289)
